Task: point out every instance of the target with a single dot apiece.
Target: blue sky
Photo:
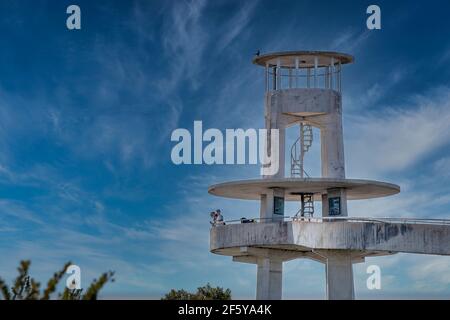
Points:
(86, 118)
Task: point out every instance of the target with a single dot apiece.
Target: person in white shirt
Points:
(219, 217)
(213, 215)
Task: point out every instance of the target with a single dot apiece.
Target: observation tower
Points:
(304, 89)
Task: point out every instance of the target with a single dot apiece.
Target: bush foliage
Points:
(27, 288)
(203, 293)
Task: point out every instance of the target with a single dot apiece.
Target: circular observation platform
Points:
(306, 59)
(253, 189)
(364, 237)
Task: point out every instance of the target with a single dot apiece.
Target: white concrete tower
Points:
(303, 88)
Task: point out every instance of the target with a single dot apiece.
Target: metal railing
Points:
(279, 78)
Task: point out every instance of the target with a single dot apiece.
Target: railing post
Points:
(339, 77)
(296, 72)
(316, 62)
(332, 73)
(267, 77)
(308, 78)
(278, 74)
(290, 77)
(274, 78)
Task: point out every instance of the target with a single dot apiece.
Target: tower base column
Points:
(269, 279)
(339, 274)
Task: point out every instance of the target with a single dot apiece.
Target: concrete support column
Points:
(281, 154)
(269, 279)
(275, 120)
(267, 211)
(274, 166)
(325, 207)
(267, 215)
(332, 146)
(339, 274)
(263, 212)
(277, 160)
(339, 208)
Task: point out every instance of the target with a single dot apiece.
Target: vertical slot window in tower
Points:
(334, 206)
(278, 205)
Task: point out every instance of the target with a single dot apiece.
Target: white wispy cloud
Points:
(350, 40)
(236, 24)
(430, 274)
(399, 136)
(184, 41)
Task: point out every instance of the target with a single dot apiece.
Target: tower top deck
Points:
(302, 59)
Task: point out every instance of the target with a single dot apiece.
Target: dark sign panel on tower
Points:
(334, 206)
(278, 205)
